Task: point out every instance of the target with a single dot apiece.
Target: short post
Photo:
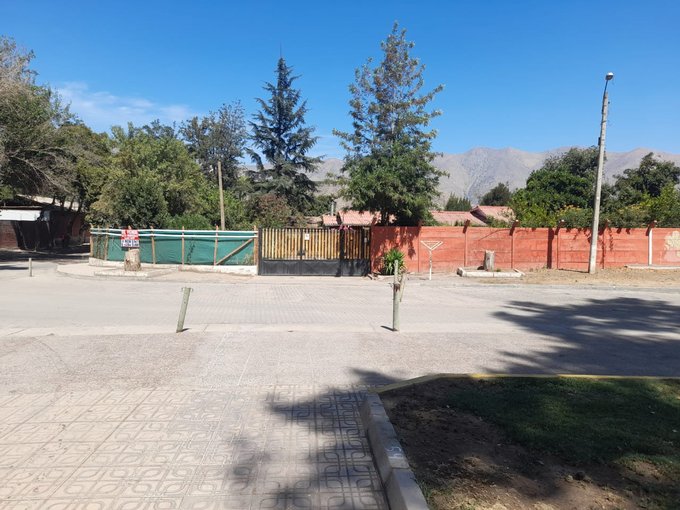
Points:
(153, 247)
(30, 267)
(395, 298)
(489, 260)
(183, 310)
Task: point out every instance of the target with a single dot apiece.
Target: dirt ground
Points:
(615, 277)
(473, 465)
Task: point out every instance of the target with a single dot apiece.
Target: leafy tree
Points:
(136, 200)
(271, 211)
(563, 181)
(648, 180)
(498, 195)
(321, 205)
(388, 161)
(33, 152)
(665, 208)
(153, 158)
(221, 136)
(456, 203)
(282, 142)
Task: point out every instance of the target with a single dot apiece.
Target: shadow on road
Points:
(622, 335)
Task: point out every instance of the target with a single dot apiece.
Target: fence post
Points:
(466, 226)
(182, 246)
(153, 247)
(650, 243)
(256, 248)
(512, 243)
(604, 244)
(106, 245)
(215, 250)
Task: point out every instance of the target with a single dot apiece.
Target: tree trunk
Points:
(133, 260)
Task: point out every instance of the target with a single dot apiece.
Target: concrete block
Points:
(403, 493)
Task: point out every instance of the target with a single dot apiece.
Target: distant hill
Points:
(473, 173)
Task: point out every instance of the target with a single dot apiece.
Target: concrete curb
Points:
(476, 273)
(400, 485)
(239, 270)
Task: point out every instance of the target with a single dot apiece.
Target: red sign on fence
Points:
(129, 238)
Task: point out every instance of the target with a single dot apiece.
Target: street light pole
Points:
(594, 232)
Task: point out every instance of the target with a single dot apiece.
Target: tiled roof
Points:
(350, 218)
(496, 212)
(454, 218)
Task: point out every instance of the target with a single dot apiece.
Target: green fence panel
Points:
(145, 253)
(199, 247)
(115, 251)
(168, 250)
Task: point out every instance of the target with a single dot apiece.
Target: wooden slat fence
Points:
(314, 244)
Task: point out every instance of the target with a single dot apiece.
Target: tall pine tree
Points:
(282, 141)
(388, 161)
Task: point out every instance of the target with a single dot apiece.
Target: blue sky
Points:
(522, 74)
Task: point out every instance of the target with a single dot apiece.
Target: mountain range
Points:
(471, 174)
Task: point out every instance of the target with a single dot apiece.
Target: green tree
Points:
(456, 203)
(158, 162)
(388, 162)
(563, 181)
(282, 141)
(33, 152)
(498, 195)
(271, 211)
(647, 180)
(220, 136)
(665, 208)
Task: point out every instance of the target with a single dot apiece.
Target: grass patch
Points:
(582, 420)
(624, 432)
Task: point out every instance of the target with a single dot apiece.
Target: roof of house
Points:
(454, 218)
(496, 212)
(350, 218)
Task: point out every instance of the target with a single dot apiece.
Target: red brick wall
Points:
(8, 239)
(523, 248)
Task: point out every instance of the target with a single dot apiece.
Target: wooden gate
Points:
(314, 251)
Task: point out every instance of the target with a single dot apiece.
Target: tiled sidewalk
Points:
(263, 447)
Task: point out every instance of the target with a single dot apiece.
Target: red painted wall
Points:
(523, 248)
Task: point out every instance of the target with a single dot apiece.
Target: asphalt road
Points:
(330, 326)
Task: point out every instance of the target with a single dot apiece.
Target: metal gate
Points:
(314, 251)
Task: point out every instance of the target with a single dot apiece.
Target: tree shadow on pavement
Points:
(316, 454)
(618, 336)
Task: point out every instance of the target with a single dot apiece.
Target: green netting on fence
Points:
(201, 247)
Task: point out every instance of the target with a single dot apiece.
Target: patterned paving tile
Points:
(259, 447)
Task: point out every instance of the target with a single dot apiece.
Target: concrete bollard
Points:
(183, 310)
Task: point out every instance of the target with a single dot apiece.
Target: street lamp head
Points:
(609, 76)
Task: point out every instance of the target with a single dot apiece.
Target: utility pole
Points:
(594, 232)
(219, 180)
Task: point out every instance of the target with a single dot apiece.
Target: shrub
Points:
(390, 258)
